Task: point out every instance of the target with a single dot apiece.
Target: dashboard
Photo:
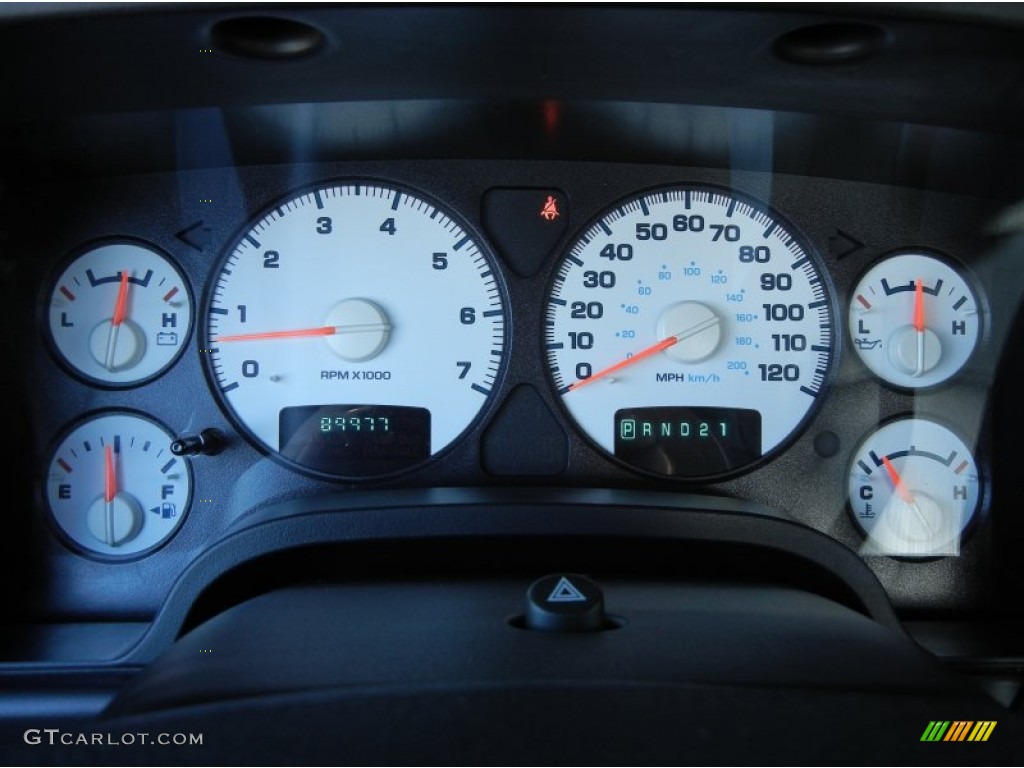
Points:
(317, 311)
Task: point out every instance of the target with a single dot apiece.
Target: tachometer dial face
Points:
(119, 313)
(357, 329)
(914, 489)
(115, 489)
(914, 320)
(689, 331)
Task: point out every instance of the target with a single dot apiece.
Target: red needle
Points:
(919, 306)
(327, 330)
(110, 477)
(652, 350)
(121, 307)
(897, 481)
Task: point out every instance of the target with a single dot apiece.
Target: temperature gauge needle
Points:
(906, 495)
(109, 492)
(120, 312)
(326, 330)
(919, 326)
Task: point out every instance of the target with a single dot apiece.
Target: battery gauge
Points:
(119, 313)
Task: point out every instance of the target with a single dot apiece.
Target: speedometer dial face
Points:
(356, 329)
(690, 332)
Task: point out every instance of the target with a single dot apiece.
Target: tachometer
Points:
(690, 331)
(356, 329)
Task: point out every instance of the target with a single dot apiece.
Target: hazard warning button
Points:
(565, 602)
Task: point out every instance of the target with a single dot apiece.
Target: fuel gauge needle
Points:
(906, 496)
(109, 492)
(120, 312)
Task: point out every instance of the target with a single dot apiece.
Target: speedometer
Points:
(690, 331)
(356, 329)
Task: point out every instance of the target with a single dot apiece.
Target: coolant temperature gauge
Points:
(114, 487)
(119, 313)
(914, 320)
(914, 489)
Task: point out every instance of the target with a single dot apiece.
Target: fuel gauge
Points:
(119, 313)
(914, 320)
(114, 486)
(914, 489)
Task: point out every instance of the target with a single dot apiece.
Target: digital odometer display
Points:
(688, 441)
(355, 439)
(692, 297)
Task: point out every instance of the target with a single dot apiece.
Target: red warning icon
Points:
(550, 211)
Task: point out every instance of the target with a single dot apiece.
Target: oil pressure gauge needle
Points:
(919, 326)
(109, 492)
(120, 312)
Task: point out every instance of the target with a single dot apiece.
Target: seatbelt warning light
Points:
(549, 211)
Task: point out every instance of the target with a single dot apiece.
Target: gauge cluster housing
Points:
(875, 133)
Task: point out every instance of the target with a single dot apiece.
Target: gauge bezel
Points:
(973, 285)
(55, 527)
(984, 491)
(798, 234)
(496, 266)
(50, 285)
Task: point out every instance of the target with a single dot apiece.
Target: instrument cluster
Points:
(821, 347)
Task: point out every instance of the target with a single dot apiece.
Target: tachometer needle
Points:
(326, 330)
(120, 312)
(109, 492)
(919, 326)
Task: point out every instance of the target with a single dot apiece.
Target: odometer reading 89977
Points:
(700, 304)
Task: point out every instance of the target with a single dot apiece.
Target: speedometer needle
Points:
(642, 355)
(325, 330)
(919, 326)
(120, 312)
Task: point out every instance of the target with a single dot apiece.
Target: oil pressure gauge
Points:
(114, 487)
(119, 313)
(914, 320)
(914, 489)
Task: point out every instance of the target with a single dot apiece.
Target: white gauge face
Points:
(914, 320)
(689, 332)
(115, 489)
(356, 329)
(914, 488)
(119, 313)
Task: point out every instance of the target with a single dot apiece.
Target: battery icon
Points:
(627, 429)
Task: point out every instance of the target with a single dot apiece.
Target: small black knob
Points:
(209, 442)
(565, 602)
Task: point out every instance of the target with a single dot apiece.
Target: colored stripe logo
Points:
(958, 730)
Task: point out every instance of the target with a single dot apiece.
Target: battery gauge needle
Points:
(906, 496)
(919, 327)
(326, 330)
(120, 312)
(109, 492)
